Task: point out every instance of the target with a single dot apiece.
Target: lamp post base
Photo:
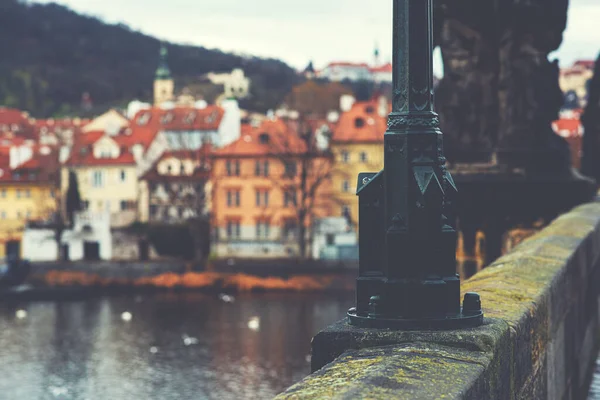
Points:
(459, 321)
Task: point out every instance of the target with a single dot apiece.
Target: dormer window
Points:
(190, 118)
(263, 138)
(167, 118)
(359, 122)
(143, 119)
(211, 117)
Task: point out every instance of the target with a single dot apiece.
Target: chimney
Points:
(346, 102)
(382, 106)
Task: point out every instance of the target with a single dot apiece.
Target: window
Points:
(85, 204)
(18, 193)
(153, 210)
(262, 198)
(345, 157)
(28, 214)
(290, 229)
(364, 157)
(3, 193)
(346, 211)
(233, 168)
(123, 175)
(290, 169)
(17, 176)
(19, 215)
(233, 198)
(330, 239)
(263, 138)
(52, 193)
(359, 122)
(27, 193)
(263, 230)
(3, 214)
(261, 168)
(345, 186)
(289, 198)
(233, 229)
(98, 179)
(123, 205)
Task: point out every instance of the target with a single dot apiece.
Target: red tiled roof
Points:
(348, 64)
(88, 159)
(585, 63)
(180, 118)
(16, 121)
(280, 139)
(41, 168)
(362, 124)
(383, 68)
(146, 124)
(567, 127)
(202, 156)
(82, 152)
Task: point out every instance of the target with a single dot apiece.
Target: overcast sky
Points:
(297, 31)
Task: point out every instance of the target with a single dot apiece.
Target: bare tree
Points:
(184, 199)
(306, 173)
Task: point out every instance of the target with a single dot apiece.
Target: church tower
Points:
(163, 81)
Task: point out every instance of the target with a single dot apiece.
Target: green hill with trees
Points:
(50, 56)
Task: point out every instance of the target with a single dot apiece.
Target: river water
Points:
(167, 347)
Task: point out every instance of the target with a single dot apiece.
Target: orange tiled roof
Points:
(271, 137)
(362, 124)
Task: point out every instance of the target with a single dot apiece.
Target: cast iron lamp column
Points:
(407, 277)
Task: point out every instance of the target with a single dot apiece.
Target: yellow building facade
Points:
(357, 146)
(21, 202)
(351, 160)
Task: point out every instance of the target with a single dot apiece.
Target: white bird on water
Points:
(189, 340)
(21, 314)
(153, 349)
(226, 298)
(254, 323)
(126, 316)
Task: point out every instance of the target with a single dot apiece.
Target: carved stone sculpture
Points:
(590, 164)
(500, 93)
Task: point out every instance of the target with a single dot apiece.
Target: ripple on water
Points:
(595, 387)
(176, 347)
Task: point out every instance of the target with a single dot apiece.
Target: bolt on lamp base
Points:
(469, 316)
(448, 323)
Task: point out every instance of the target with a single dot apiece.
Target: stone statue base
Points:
(494, 199)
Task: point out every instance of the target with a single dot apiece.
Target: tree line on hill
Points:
(50, 56)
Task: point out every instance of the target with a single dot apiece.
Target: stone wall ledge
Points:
(539, 339)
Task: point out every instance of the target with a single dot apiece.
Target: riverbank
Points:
(107, 277)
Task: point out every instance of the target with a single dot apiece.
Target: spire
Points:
(163, 71)
(376, 55)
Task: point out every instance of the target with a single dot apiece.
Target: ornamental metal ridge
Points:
(403, 121)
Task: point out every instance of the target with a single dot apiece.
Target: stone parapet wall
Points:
(539, 340)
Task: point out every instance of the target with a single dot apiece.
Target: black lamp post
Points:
(407, 239)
